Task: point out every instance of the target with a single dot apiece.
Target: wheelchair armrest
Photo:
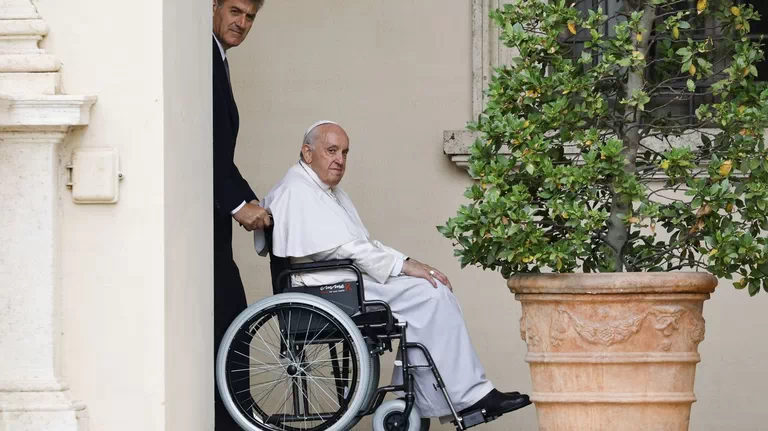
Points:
(327, 264)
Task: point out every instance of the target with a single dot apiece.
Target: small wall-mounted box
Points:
(94, 176)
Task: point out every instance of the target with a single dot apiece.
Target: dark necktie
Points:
(229, 81)
(226, 67)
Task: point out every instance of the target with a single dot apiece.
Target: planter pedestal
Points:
(613, 352)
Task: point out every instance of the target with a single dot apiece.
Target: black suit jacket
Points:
(229, 187)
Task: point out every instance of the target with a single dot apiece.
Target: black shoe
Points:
(497, 403)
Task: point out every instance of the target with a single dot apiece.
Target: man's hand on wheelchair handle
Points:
(414, 268)
(253, 217)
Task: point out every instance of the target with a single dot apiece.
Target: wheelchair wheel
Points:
(389, 417)
(293, 362)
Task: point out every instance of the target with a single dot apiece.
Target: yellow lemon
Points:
(572, 27)
(676, 33)
(700, 6)
(736, 11)
(726, 167)
(692, 69)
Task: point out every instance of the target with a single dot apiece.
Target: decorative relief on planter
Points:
(696, 331)
(528, 333)
(665, 319)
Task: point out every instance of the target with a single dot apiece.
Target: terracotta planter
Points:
(613, 352)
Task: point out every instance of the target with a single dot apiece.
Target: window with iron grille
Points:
(677, 107)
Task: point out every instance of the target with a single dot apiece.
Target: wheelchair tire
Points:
(389, 417)
(279, 318)
(374, 384)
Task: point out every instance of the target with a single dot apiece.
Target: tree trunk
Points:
(618, 231)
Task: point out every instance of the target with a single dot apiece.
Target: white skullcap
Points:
(317, 124)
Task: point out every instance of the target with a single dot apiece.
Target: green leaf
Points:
(692, 87)
(530, 169)
(696, 203)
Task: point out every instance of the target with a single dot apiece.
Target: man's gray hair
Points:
(312, 135)
(259, 3)
(310, 139)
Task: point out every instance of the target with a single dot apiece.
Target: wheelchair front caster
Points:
(389, 417)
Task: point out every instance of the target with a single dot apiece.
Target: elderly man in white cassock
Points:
(315, 220)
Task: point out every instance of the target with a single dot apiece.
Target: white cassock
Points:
(314, 222)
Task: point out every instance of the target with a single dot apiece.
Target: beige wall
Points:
(136, 276)
(396, 74)
(188, 211)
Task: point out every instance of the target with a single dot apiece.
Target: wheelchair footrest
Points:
(469, 420)
(474, 418)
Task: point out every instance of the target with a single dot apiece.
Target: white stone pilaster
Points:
(34, 120)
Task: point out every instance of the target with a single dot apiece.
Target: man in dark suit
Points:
(233, 197)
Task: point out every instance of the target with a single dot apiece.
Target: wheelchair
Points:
(308, 358)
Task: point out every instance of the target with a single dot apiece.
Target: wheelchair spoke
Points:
(256, 348)
(252, 333)
(306, 396)
(323, 356)
(285, 400)
(319, 332)
(326, 407)
(326, 393)
(287, 345)
(270, 350)
(331, 378)
(266, 344)
(275, 333)
(256, 385)
(252, 374)
(250, 358)
(309, 325)
(268, 391)
(265, 394)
